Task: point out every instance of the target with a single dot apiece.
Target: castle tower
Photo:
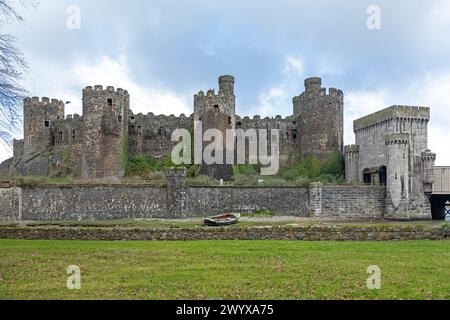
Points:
(398, 182)
(39, 117)
(217, 111)
(351, 154)
(320, 119)
(105, 115)
(428, 163)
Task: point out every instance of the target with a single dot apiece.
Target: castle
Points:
(95, 144)
(390, 170)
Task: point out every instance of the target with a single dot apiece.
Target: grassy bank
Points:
(224, 270)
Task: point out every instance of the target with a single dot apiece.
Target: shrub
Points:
(142, 166)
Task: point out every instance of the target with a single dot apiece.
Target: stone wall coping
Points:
(7, 185)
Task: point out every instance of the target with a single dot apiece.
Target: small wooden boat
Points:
(223, 220)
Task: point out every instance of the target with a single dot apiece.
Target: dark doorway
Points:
(383, 175)
(438, 202)
(367, 177)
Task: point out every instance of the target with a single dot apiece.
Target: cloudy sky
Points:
(163, 51)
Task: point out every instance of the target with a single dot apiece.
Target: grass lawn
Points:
(224, 269)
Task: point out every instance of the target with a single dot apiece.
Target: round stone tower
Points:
(39, 116)
(320, 117)
(105, 115)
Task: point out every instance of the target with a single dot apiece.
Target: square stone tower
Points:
(392, 150)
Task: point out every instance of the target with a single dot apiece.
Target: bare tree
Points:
(12, 66)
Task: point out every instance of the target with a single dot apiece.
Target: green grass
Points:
(224, 270)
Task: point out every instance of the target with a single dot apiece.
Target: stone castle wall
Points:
(92, 146)
(179, 201)
(290, 233)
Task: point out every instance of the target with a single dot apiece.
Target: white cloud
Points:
(436, 24)
(278, 98)
(107, 72)
(432, 91)
(359, 104)
(145, 99)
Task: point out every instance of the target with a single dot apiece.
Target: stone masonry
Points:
(392, 150)
(94, 145)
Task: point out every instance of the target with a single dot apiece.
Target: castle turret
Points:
(39, 118)
(320, 118)
(397, 145)
(351, 154)
(226, 84)
(428, 162)
(313, 84)
(106, 123)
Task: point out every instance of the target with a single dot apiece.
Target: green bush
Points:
(246, 169)
(265, 212)
(142, 166)
(308, 169)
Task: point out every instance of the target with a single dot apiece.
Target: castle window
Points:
(119, 119)
(47, 124)
(110, 102)
(294, 134)
(74, 134)
(60, 136)
(229, 120)
(239, 125)
(216, 108)
(162, 144)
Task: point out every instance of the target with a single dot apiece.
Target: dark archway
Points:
(438, 202)
(382, 172)
(367, 177)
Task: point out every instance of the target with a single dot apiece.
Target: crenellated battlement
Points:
(351, 149)
(397, 138)
(428, 156)
(100, 89)
(44, 101)
(393, 113)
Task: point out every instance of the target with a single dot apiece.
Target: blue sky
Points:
(163, 52)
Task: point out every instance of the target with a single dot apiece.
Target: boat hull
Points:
(222, 220)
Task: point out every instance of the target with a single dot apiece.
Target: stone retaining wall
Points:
(311, 233)
(52, 203)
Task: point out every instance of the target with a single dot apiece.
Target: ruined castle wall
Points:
(289, 132)
(151, 135)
